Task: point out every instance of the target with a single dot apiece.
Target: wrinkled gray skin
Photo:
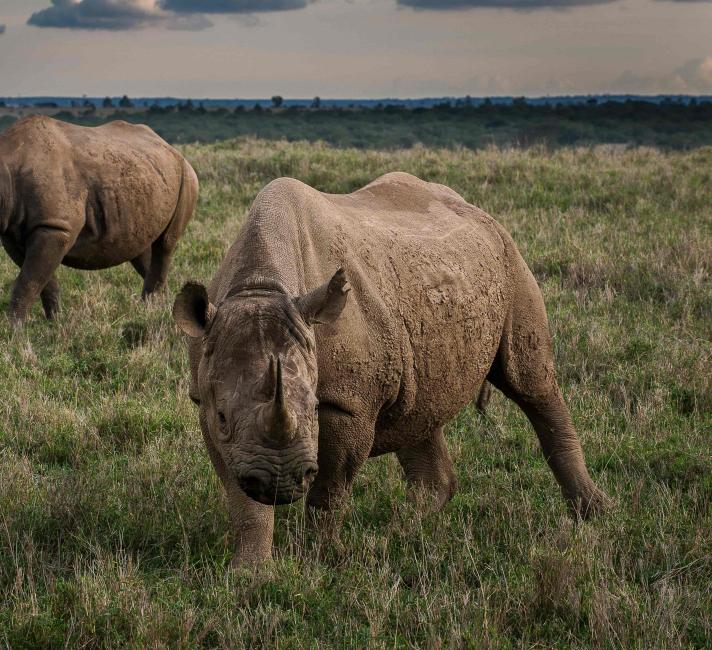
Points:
(438, 298)
(89, 198)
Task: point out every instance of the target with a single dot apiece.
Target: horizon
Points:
(424, 98)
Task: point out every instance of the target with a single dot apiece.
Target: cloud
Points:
(696, 75)
(135, 14)
(524, 5)
(98, 14)
(693, 77)
(233, 6)
(2, 29)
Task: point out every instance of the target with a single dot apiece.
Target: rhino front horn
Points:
(282, 425)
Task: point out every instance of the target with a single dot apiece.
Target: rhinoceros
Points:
(89, 198)
(342, 327)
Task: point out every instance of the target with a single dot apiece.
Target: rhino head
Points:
(257, 380)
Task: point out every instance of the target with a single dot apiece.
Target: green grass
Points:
(113, 530)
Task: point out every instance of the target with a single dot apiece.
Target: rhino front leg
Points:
(252, 526)
(429, 469)
(44, 252)
(252, 523)
(50, 294)
(345, 442)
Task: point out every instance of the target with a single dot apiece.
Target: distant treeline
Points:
(667, 124)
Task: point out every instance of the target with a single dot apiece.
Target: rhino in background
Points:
(301, 374)
(89, 198)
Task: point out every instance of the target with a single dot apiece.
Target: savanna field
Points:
(113, 529)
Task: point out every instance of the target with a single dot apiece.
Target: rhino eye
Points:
(222, 419)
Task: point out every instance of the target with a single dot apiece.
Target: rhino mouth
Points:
(266, 488)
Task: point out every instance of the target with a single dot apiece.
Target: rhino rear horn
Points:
(325, 304)
(192, 309)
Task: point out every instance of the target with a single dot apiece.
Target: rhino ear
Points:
(192, 309)
(325, 304)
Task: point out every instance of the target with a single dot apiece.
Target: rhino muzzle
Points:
(266, 487)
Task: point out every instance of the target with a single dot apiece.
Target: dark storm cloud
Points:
(232, 6)
(525, 5)
(96, 14)
(134, 14)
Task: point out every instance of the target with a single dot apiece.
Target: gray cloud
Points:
(134, 14)
(98, 14)
(524, 5)
(2, 29)
(232, 6)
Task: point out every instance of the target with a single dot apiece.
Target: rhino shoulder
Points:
(404, 178)
(33, 129)
(284, 193)
(128, 127)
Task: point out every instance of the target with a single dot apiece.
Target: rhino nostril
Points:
(255, 481)
(310, 472)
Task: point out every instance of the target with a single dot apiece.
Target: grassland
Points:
(113, 528)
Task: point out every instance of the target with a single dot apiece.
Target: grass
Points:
(113, 530)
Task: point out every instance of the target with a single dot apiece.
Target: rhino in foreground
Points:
(89, 198)
(302, 374)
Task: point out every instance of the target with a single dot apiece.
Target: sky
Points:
(354, 48)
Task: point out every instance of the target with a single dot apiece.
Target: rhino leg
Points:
(428, 467)
(252, 523)
(345, 442)
(43, 253)
(142, 263)
(50, 298)
(483, 399)
(524, 371)
(155, 278)
(163, 248)
(50, 294)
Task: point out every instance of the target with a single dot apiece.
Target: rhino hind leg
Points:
(429, 470)
(524, 371)
(142, 263)
(50, 298)
(483, 399)
(162, 250)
